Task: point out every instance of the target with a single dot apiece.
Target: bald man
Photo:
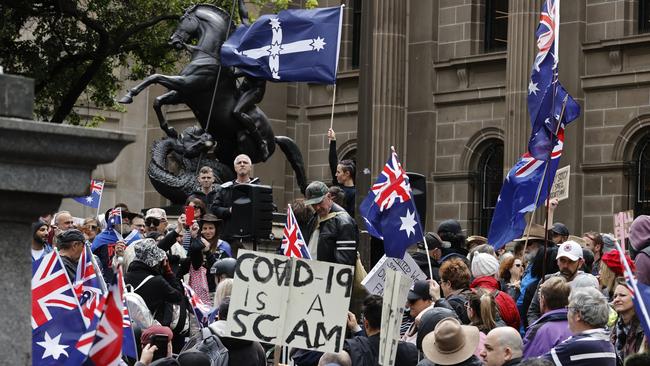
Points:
(223, 200)
(502, 347)
(342, 359)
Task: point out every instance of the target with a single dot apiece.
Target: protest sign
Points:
(290, 301)
(396, 287)
(374, 281)
(560, 188)
(622, 222)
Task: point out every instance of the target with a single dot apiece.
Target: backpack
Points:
(208, 343)
(139, 313)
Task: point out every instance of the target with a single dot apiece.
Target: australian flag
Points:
(517, 196)
(96, 189)
(546, 96)
(293, 45)
(389, 211)
(293, 243)
(204, 314)
(57, 322)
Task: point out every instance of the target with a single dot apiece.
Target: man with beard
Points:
(111, 241)
(534, 257)
(569, 260)
(40, 247)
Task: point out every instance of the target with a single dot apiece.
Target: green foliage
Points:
(73, 48)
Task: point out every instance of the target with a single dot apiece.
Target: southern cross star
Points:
(52, 347)
(408, 223)
(532, 88)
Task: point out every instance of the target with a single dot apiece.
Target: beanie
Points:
(484, 264)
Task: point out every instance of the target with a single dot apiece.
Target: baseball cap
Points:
(560, 229)
(157, 213)
(420, 290)
(315, 192)
(71, 235)
(569, 249)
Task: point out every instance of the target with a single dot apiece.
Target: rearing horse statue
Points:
(195, 87)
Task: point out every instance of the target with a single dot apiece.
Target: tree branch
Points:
(142, 26)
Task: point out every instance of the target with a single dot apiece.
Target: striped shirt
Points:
(589, 348)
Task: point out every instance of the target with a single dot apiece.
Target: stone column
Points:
(522, 23)
(382, 92)
(40, 163)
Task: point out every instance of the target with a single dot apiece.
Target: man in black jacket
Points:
(70, 244)
(223, 200)
(364, 350)
(334, 237)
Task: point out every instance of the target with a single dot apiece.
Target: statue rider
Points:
(251, 91)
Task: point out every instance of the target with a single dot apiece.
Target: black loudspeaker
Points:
(252, 212)
(419, 190)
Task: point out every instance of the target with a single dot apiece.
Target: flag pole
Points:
(628, 271)
(333, 103)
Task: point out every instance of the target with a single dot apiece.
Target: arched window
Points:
(489, 181)
(642, 171)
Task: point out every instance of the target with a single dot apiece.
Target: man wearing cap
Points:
(70, 244)
(450, 231)
(559, 233)
(223, 200)
(155, 220)
(569, 259)
(418, 299)
(334, 237)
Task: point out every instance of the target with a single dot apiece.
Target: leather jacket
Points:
(338, 238)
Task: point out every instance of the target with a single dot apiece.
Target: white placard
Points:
(396, 289)
(374, 281)
(560, 187)
(289, 301)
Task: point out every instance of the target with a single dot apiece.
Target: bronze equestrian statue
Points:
(228, 114)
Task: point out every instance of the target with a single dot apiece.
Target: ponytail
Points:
(488, 311)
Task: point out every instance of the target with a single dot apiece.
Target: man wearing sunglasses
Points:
(155, 220)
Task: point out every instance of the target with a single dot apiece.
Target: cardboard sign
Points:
(622, 222)
(374, 281)
(289, 301)
(560, 189)
(396, 287)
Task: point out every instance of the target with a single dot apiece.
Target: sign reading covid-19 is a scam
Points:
(289, 301)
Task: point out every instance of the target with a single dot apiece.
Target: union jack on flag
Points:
(57, 323)
(128, 338)
(95, 197)
(389, 211)
(114, 218)
(546, 96)
(293, 243)
(204, 314)
(89, 288)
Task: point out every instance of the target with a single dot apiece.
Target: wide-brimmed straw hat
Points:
(537, 232)
(450, 342)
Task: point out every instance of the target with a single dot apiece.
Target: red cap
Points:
(155, 329)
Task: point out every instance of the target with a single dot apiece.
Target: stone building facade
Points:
(445, 82)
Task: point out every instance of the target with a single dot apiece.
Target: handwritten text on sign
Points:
(289, 301)
(560, 188)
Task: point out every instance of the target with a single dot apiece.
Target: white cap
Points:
(570, 249)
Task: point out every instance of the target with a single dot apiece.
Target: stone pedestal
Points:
(40, 163)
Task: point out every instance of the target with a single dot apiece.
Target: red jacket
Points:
(505, 304)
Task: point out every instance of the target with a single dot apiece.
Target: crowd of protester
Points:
(547, 298)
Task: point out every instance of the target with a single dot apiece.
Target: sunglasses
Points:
(152, 222)
(517, 264)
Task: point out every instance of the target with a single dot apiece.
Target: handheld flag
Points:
(96, 189)
(293, 243)
(129, 347)
(57, 322)
(640, 293)
(389, 210)
(89, 288)
(204, 314)
(518, 193)
(114, 218)
(293, 45)
(546, 96)
(107, 346)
